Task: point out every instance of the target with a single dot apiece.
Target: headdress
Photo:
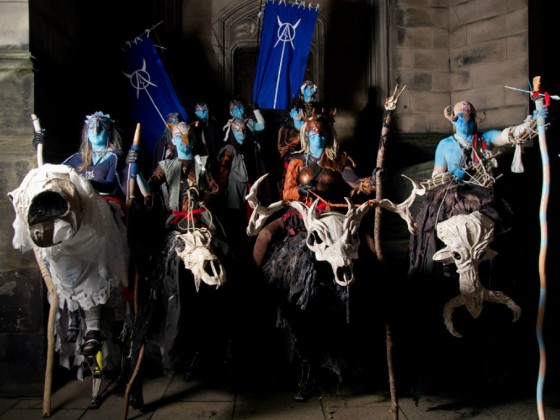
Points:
(174, 118)
(99, 118)
(239, 124)
(183, 130)
(306, 84)
(462, 107)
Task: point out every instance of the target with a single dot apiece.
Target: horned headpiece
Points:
(463, 107)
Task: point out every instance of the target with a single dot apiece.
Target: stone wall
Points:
(21, 289)
(448, 50)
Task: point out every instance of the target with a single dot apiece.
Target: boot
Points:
(191, 373)
(306, 385)
(92, 343)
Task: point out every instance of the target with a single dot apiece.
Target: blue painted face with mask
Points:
(98, 131)
(308, 90)
(238, 129)
(201, 111)
(296, 117)
(465, 125)
(308, 94)
(238, 112)
(317, 142)
(182, 142)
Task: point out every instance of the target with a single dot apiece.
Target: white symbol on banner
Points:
(286, 33)
(140, 80)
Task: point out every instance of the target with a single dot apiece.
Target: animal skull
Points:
(195, 251)
(467, 238)
(333, 237)
(48, 207)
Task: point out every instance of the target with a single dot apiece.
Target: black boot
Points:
(92, 343)
(306, 386)
(193, 368)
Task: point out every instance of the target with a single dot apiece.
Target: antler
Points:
(260, 213)
(391, 101)
(403, 209)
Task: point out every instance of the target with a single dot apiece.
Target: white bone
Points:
(198, 257)
(467, 238)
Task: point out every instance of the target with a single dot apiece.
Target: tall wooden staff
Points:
(53, 300)
(542, 100)
(130, 188)
(390, 106)
(539, 98)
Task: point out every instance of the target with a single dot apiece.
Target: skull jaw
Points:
(344, 275)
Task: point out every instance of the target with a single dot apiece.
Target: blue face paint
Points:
(296, 117)
(184, 151)
(317, 143)
(465, 127)
(98, 125)
(238, 112)
(308, 93)
(201, 113)
(98, 137)
(239, 136)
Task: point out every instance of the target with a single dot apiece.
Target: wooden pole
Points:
(539, 104)
(390, 106)
(53, 300)
(131, 184)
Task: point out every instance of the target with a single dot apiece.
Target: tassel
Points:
(517, 163)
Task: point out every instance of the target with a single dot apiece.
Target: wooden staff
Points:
(390, 106)
(130, 187)
(132, 170)
(539, 97)
(53, 299)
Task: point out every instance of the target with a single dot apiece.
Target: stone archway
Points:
(238, 32)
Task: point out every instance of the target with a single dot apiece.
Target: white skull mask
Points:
(333, 237)
(467, 239)
(198, 257)
(48, 207)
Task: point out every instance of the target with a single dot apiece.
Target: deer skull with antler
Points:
(332, 236)
(467, 238)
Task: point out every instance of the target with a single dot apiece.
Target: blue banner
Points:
(151, 94)
(286, 38)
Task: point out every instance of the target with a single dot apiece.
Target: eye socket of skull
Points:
(180, 244)
(314, 239)
(46, 205)
(457, 256)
